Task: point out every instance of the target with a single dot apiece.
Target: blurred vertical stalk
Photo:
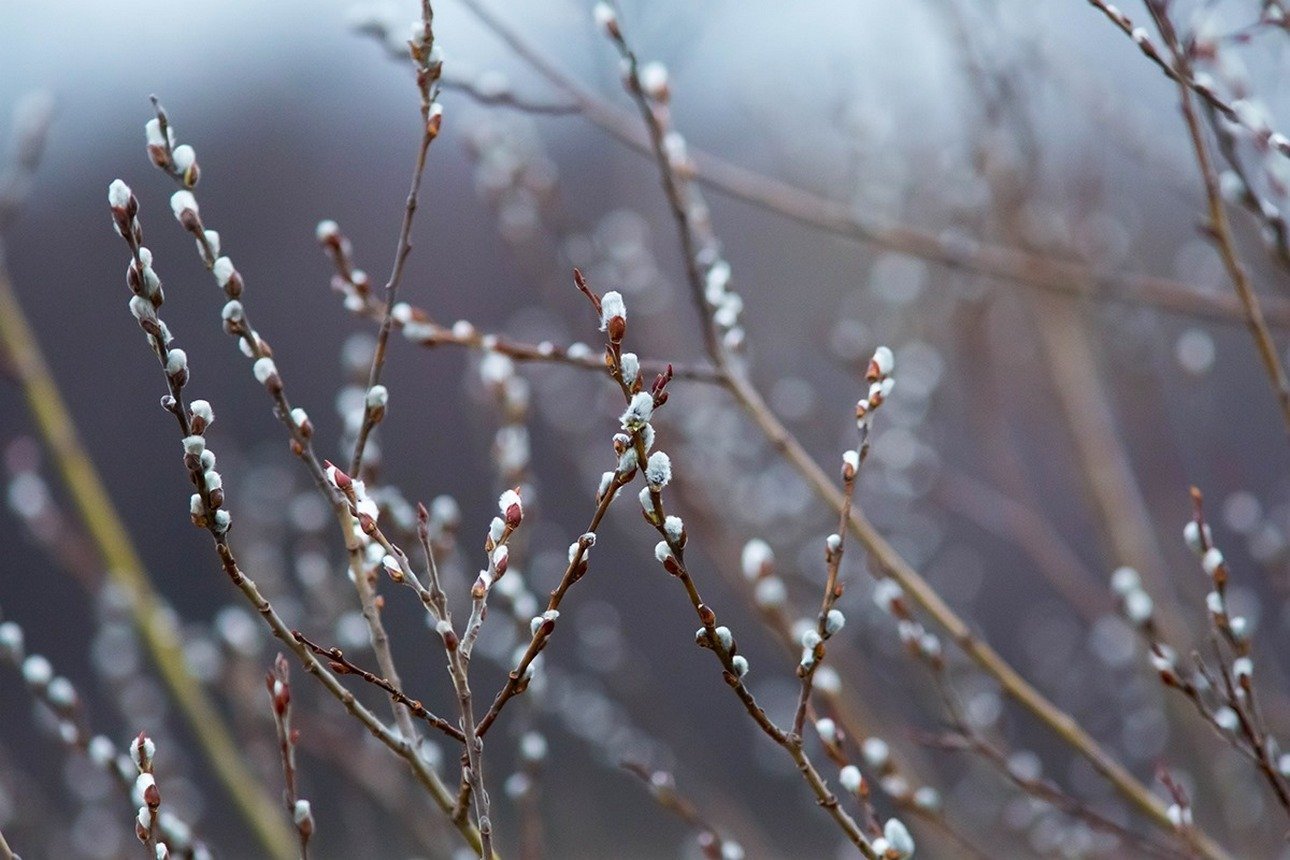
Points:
(125, 570)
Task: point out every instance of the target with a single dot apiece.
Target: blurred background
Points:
(1043, 431)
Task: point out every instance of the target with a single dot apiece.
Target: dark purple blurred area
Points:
(295, 119)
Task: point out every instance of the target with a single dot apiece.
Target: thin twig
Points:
(662, 787)
(341, 665)
(429, 67)
(278, 682)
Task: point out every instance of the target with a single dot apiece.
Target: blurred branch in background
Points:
(1046, 272)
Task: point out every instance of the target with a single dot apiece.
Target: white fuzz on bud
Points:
(639, 411)
(827, 680)
(183, 157)
(118, 194)
(152, 129)
(299, 416)
(11, 641)
(233, 311)
(142, 309)
(674, 528)
(223, 271)
(1138, 606)
(757, 558)
(770, 592)
(142, 757)
(264, 369)
(61, 693)
(1125, 580)
(876, 752)
(827, 730)
(662, 551)
(927, 798)
(834, 621)
(740, 664)
(653, 77)
(142, 783)
(1226, 719)
(101, 751)
(883, 362)
(898, 838)
(886, 592)
(1179, 816)
(511, 507)
(194, 444)
(833, 543)
(611, 307)
(1212, 560)
(202, 409)
(182, 202)
(658, 470)
(631, 367)
(533, 746)
(176, 361)
(37, 671)
(725, 638)
(302, 815)
(327, 230)
(1196, 538)
(1242, 669)
(851, 460)
(606, 18)
(731, 850)
(1162, 658)
(850, 778)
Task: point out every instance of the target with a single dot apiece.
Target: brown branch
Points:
(341, 665)
(429, 67)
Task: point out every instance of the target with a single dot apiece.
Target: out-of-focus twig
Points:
(1049, 273)
(1218, 226)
